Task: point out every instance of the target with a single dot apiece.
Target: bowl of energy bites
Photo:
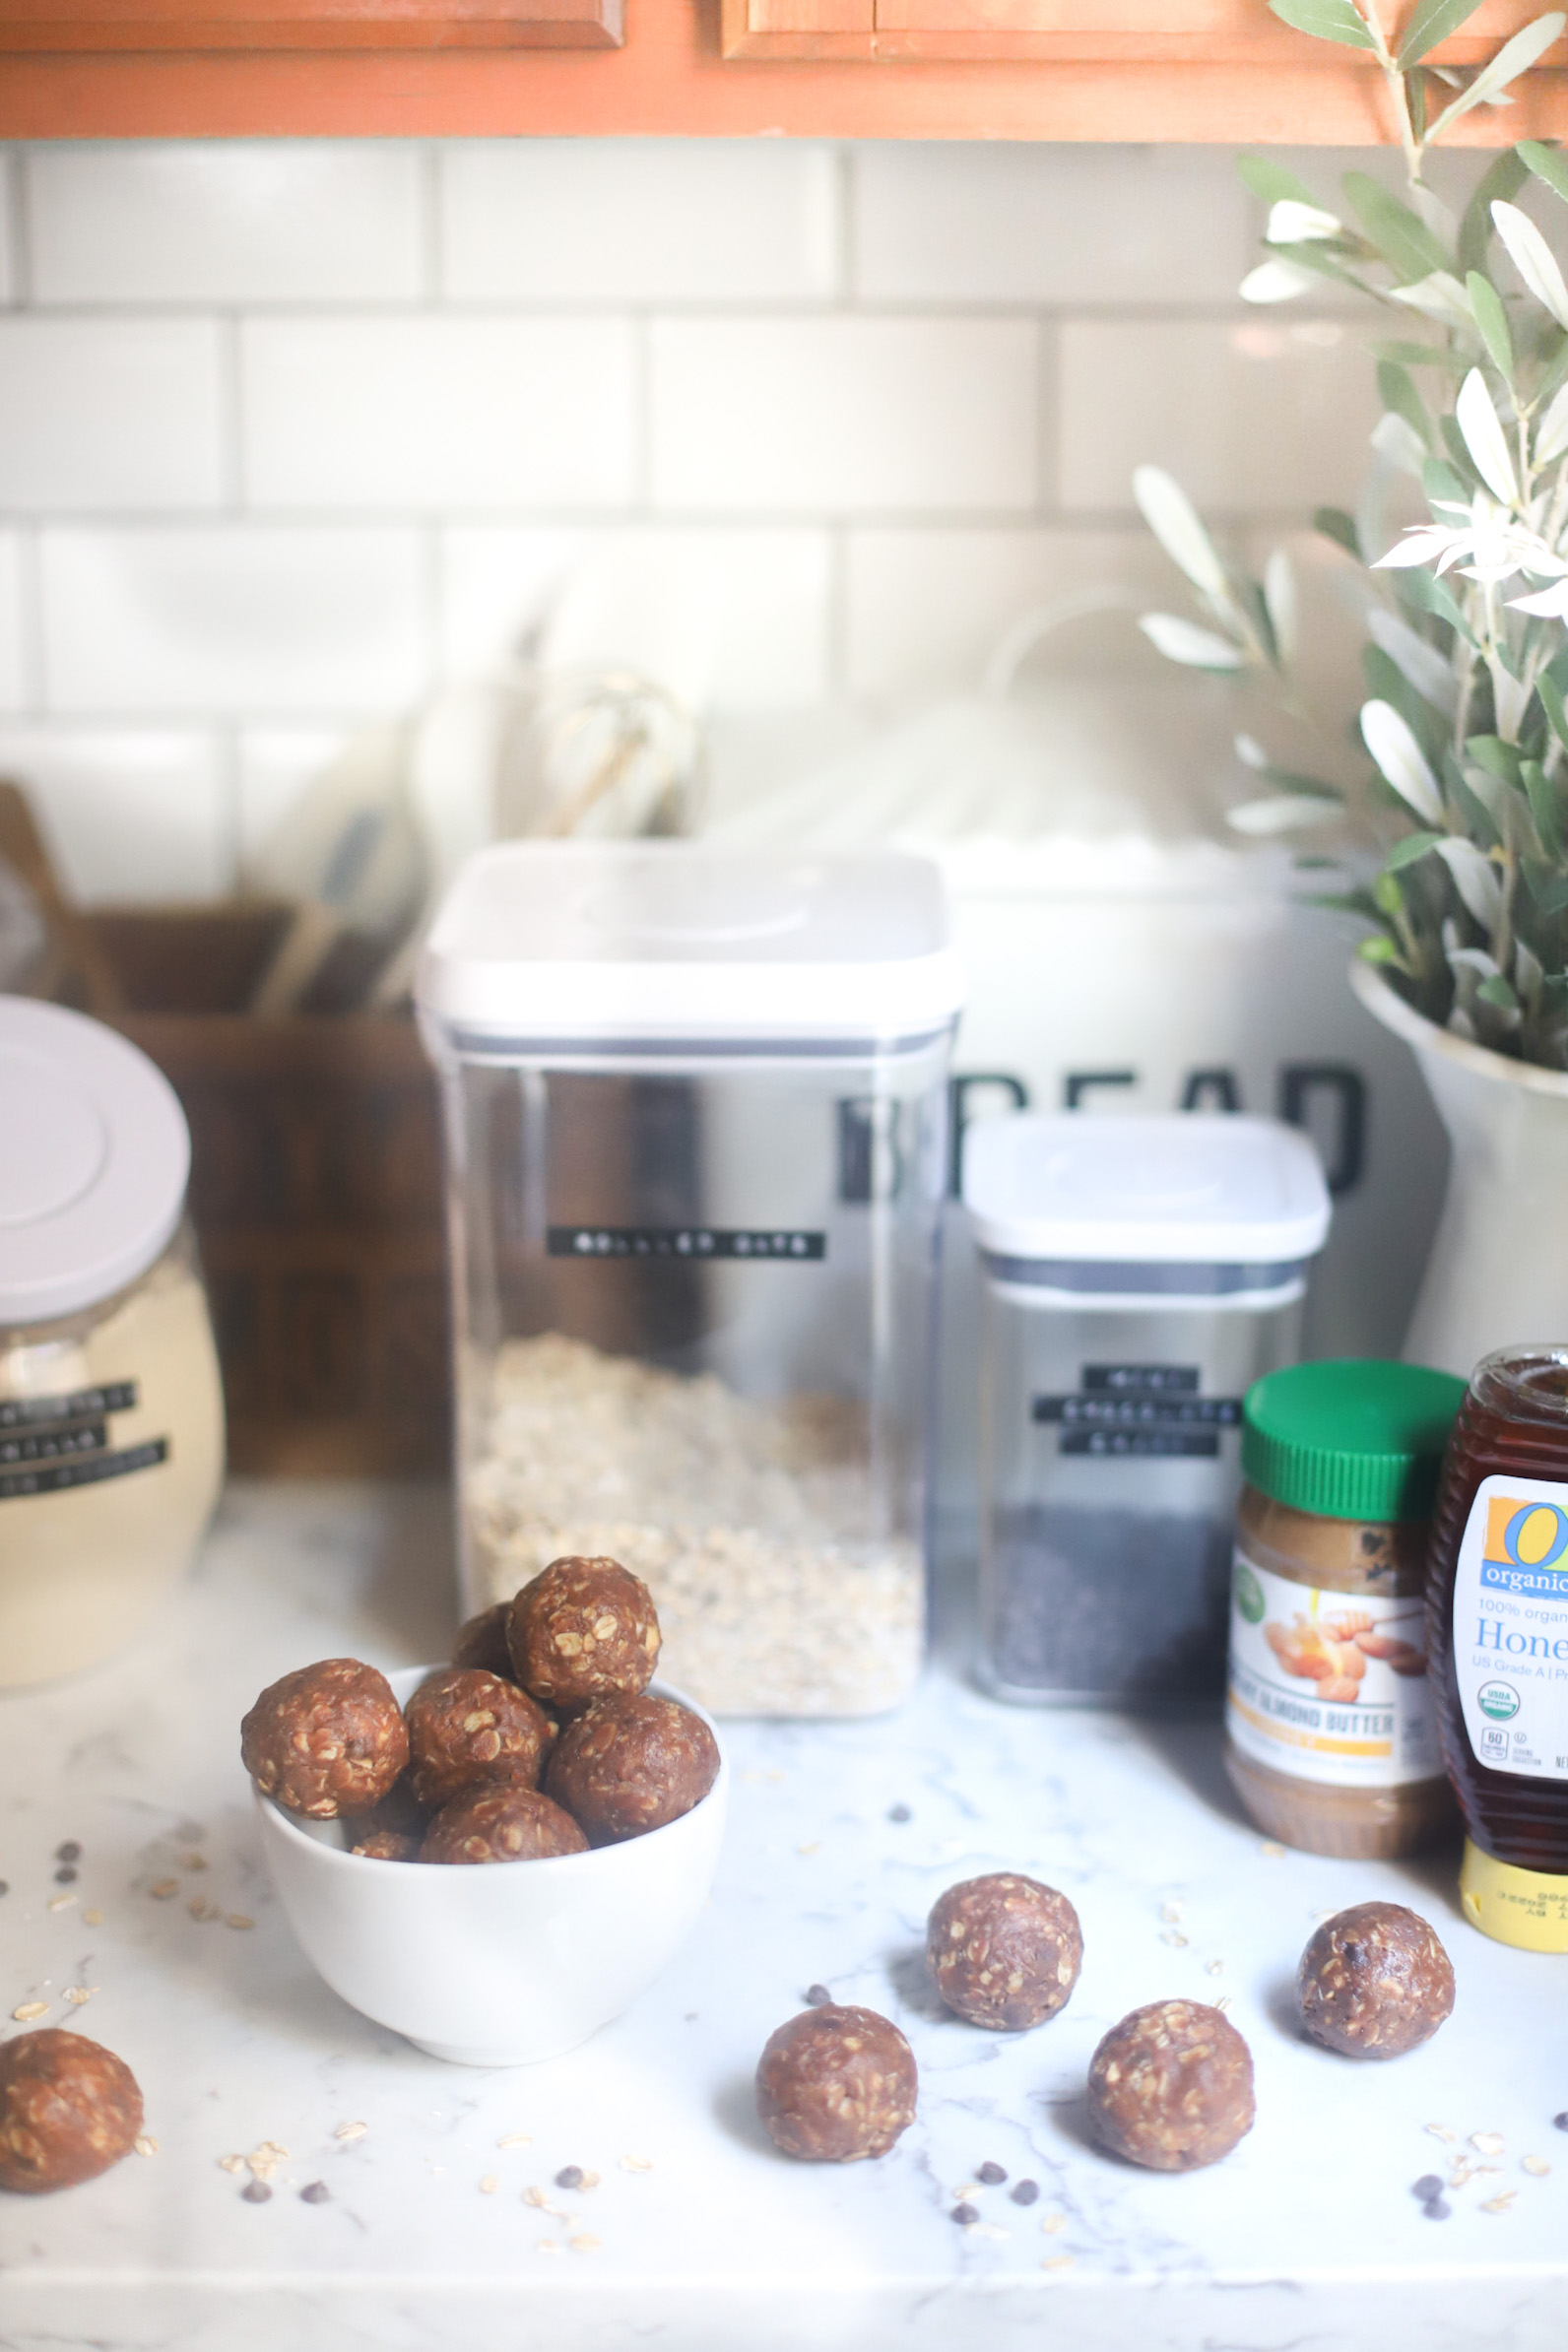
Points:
(494, 1857)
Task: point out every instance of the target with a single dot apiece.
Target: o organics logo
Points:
(1525, 1535)
(1249, 1595)
(1499, 1700)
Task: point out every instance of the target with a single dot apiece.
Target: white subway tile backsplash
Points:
(844, 415)
(771, 587)
(437, 413)
(236, 618)
(1263, 413)
(1020, 223)
(108, 414)
(127, 813)
(10, 224)
(639, 220)
(226, 221)
(13, 624)
(926, 608)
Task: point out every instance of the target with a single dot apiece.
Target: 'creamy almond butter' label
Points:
(1329, 1686)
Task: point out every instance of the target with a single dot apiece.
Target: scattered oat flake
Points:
(1442, 2131)
(589, 2180)
(61, 1901)
(1534, 2163)
(144, 2144)
(265, 2160)
(637, 2164)
(1213, 1968)
(1487, 2143)
(350, 2132)
(816, 1847)
(1463, 2172)
(92, 1919)
(536, 2197)
(164, 1888)
(78, 1994)
(969, 2188)
(1054, 2222)
(27, 2010)
(231, 2164)
(1500, 2203)
(546, 2246)
(488, 2185)
(1272, 1849)
(240, 1919)
(1170, 1912)
(986, 2229)
(583, 2242)
(1057, 2263)
(515, 2139)
(193, 1862)
(1174, 1937)
(1222, 2003)
(200, 1908)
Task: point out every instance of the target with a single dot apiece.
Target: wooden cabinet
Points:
(1221, 70)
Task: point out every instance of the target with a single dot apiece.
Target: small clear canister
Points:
(694, 1107)
(1139, 1275)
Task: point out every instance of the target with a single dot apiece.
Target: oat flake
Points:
(488, 2185)
(350, 2132)
(583, 2244)
(144, 2144)
(164, 1888)
(1500, 2204)
(1488, 2143)
(92, 1919)
(637, 2164)
(515, 2139)
(78, 1994)
(1534, 2163)
(27, 2010)
(1057, 2263)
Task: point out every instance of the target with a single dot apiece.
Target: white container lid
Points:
(558, 945)
(1181, 1190)
(94, 1155)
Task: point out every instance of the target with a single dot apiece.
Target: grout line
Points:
(231, 415)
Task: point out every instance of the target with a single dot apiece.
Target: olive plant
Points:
(1457, 829)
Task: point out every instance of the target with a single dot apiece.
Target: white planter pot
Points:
(1498, 1271)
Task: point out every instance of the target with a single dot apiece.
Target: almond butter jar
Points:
(1331, 1728)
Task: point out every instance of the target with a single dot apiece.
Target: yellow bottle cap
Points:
(1526, 1907)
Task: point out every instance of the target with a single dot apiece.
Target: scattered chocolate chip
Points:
(314, 2192)
(817, 1997)
(69, 1852)
(65, 1877)
(900, 1813)
(964, 2214)
(1437, 2208)
(993, 2175)
(255, 2193)
(5, 1889)
(1024, 2192)
(570, 2177)
(1426, 2188)
(1561, 2122)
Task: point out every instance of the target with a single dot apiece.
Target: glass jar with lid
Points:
(695, 1105)
(1140, 1273)
(111, 1417)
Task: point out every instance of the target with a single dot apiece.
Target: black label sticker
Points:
(86, 1469)
(1193, 1445)
(1141, 1380)
(56, 1444)
(1139, 1412)
(682, 1241)
(82, 1404)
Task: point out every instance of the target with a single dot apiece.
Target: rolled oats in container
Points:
(695, 1109)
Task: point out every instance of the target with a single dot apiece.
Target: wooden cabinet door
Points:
(81, 27)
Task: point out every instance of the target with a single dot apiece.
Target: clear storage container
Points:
(1140, 1273)
(694, 1104)
(111, 1413)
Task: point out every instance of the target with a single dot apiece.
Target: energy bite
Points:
(466, 1724)
(481, 1642)
(582, 1630)
(836, 2084)
(632, 1764)
(1004, 1951)
(1171, 2087)
(69, 2109)
(500, 1821)
(1374, 1982)
(326, 1739)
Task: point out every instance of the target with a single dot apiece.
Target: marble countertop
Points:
(698, 2238)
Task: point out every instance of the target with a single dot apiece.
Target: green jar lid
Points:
(1349, 1439)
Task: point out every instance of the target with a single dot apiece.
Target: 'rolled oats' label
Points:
(1329, 1686)
(1511, 1626)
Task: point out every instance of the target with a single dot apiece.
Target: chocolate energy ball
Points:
(1004, 1951)
(835, 2084)
(500, 1821)
(581, 1630)
(1374, 1982)
(631, 1765)
(481, 1642)
(466, 1724)
(326, 1739)
(1171, 2086)
(69, 2109)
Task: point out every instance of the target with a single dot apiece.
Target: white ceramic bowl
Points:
(496, 1964)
